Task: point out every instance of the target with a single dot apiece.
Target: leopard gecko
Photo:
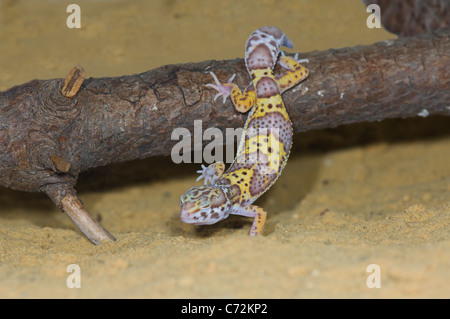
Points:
(266, 139)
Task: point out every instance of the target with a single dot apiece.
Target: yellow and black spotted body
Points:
(266, 141)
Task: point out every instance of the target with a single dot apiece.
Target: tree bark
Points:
(52, 130)
(412, 17)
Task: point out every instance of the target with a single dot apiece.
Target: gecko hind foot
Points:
(223, 90)
(286, 61)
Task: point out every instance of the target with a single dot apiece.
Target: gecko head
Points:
(263, 47)
(205, 205)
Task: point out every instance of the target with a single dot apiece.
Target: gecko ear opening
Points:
(286, 42)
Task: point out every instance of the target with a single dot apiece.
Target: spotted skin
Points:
(266, 141)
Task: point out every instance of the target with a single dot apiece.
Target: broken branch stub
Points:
(73, 81)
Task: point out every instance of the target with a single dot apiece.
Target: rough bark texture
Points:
(412, 17)
(52, 130)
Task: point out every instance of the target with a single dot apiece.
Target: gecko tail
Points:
(286, 42)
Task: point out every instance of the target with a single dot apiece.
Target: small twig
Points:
(67, 200)
(73, 207)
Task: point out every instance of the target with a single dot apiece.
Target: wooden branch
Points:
(52, 130)
(412, 17)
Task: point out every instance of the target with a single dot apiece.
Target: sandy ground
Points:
(348, 198)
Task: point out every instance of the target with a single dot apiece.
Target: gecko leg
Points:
(295, 72)
(295, 58)
(241, 101)
(257, 213)
(211, 173)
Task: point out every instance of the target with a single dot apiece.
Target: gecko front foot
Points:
(259, 217)
(211, 173)
(223, 90)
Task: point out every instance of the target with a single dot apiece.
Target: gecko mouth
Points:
(196, 218)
